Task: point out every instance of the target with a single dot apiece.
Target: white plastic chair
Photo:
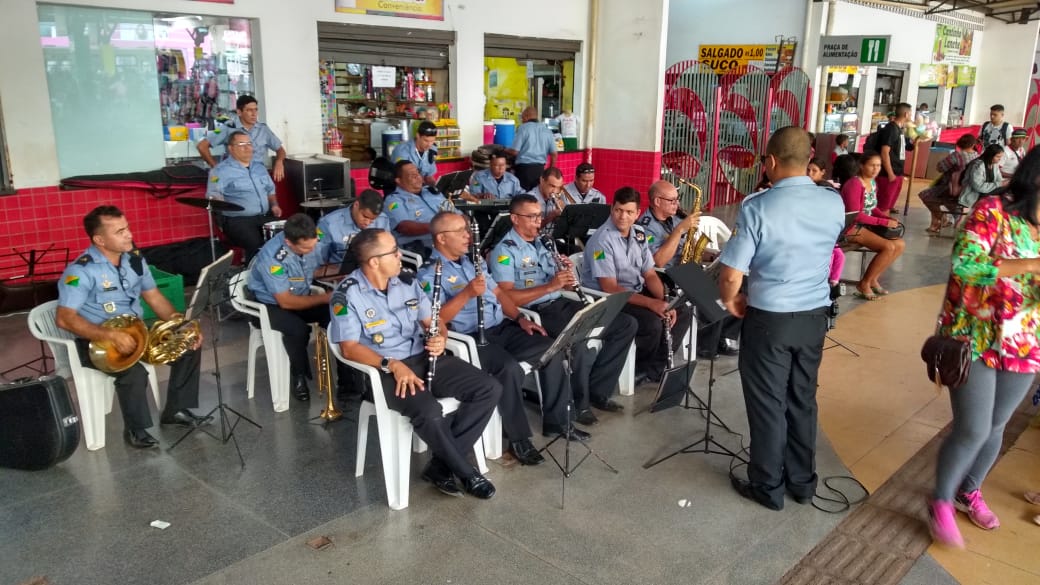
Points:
(395, 435)
(627, 381)
(266, 337)
(411, 260)
(94, 389)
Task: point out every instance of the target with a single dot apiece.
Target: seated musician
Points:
(529, 274)
(618, 258)
(410, 209)
(581, 190)
(666, 233)
(244, 181)
(280, 278)
(511, 336)
(111, 278)
(547, 192)
(340, 226)
(379, 318)
(493, 182)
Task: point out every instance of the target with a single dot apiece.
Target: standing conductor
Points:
(786, 254)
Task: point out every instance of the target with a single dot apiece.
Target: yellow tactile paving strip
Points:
(879, 410)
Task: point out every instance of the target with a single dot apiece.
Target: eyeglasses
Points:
(394, 251)
(123, 282)
(667, 200)
(461, 230)
(530, 216)
(243, 144)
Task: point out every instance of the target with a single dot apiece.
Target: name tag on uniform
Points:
(296, 279)
(375, 323)
(109, 289)
(109, 307)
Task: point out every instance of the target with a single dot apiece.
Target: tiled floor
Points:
(87, 520)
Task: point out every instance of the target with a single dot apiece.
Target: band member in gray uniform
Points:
(786, 254)
(494, 182)
(380, 318)
(529, 274)
(511, 336)
(110, 278)
(340, 226)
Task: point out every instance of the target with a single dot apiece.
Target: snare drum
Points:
(273, 227)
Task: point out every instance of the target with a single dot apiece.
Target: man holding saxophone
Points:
(532, 274)
(380, 317)
(109, 279)
(666, 235)
(474, 305)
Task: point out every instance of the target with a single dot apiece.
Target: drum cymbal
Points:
(323, 203)
(214, 204)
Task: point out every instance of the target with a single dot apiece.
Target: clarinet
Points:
(435, 316)
(668, 341)
(474, 251)
(550, 245)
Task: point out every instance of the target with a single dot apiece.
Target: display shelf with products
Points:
(356, 90)
(449, 142)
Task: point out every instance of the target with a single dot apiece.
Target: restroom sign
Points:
(854, 50)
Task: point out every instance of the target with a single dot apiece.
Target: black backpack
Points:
(871, 143)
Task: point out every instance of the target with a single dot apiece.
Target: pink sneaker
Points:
(943, 525)
(975, 507)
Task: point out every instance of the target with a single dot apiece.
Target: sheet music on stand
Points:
(452, 183)
(581, 325)
(209, 278)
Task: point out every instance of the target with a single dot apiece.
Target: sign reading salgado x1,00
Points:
(854, 50)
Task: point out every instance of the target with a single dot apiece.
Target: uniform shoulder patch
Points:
(644, 221)
(338, 302)
(639, 234)
(84, 260)
(509, 242)
(282, 253)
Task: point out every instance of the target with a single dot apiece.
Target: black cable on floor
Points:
(841, 501)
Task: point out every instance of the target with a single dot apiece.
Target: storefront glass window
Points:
(511, 85)
(128, 87)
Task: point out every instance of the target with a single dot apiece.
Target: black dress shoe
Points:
(576, 434)
(441, 478)
(586, 417)
(607, 405)
(746, 490)
(525, 452)
(300, 390)
(478, 486)
(803, 500)
(139, 439)
(729, 347)
(185, 418)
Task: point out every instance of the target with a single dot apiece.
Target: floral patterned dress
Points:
(998, 316)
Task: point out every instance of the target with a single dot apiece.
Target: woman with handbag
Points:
(982, 176)
(881, 235)
(993, 305)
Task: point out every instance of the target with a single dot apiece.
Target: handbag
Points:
(889, 233)
(947, 360)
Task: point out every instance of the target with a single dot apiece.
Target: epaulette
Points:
(84, 260)
(406, 276)
(338, 301)
(509, 242)
(137, 261)
(644, 221)
(281, 254)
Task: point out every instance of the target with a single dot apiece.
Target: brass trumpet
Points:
(321, 362)
(164, 343)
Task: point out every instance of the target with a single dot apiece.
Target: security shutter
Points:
(384, 45)
(530, 48)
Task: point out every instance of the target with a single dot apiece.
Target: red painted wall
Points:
(36, 218)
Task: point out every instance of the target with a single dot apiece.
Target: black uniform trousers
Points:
(246, 232)
(449, 438)
(515, 345)
(296, 335)
(779, 363)
(651, 347)
(182, 390)
(594, 373)
(529, 174)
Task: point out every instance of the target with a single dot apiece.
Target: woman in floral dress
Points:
(993, 302)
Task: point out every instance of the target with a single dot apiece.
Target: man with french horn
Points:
(110, 279)
(531, 272)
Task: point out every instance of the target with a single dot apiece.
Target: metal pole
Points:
(910, 183)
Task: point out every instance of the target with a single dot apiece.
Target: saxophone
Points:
(321, 361)
(164, 343)
(693, 248)
(435, 318)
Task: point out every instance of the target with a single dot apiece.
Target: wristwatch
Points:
(385, 365)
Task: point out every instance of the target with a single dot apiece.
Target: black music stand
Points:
(704, 293)
(577, 331)
(452, 183)
(211, 291)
